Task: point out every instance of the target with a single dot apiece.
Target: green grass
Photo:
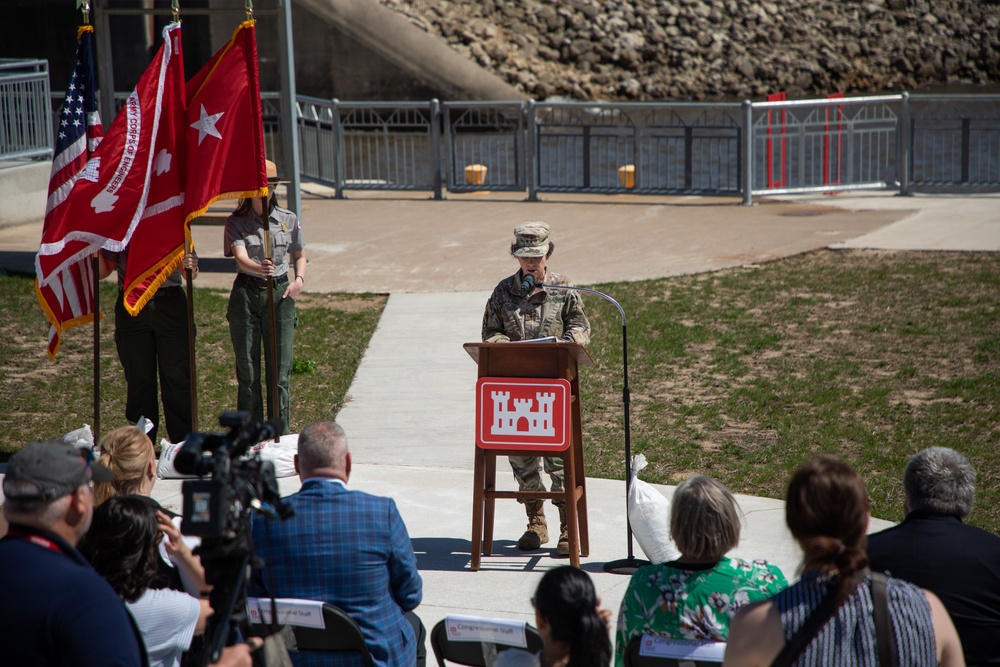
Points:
(740, 374)
(745, 373)
(41, 398)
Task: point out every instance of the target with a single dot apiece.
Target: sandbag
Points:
(81, 438)
(281, 454)
(649, 515)
(165, 464)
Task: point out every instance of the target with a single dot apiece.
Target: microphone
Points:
(527, 283)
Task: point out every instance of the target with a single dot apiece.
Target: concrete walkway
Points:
(410, 413)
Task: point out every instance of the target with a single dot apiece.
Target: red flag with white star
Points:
(225, 133)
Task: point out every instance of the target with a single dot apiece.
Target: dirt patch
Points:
(342, 302)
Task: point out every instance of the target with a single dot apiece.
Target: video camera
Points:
(218, 510)
(217, 507)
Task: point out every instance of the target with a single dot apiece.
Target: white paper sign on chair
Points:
(291, 611)
(492, 630)
(661, 647)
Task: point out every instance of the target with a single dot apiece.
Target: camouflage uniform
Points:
(511, 314)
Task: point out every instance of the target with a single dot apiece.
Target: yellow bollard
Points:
(626, 174)
(475, 174)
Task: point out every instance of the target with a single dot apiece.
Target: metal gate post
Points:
(747, 157)
(289, 109)
(339, 165)
(903, 146)
(105, 70)
(530, 153)
(435, 147)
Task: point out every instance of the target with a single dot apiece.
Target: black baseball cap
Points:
(50, 469)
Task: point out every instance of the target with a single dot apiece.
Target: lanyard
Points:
(38, 540)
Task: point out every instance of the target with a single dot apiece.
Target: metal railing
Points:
(896, 142)
(371, 145)
(901, 142)
(25, 113)
(674, 148)
(954, 142)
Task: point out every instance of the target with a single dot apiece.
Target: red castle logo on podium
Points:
(526, 413)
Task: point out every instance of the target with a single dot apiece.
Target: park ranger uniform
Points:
(248, 316)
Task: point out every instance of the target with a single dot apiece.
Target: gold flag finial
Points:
(84, 6)
(175, 10)
(249, 8)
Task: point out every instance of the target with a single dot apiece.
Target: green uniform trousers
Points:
(249, 328)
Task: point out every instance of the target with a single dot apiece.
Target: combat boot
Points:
(562, 546)
(537, 533)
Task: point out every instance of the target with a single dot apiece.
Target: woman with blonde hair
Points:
(128, 452)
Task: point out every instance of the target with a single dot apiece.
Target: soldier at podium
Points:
(520, 310)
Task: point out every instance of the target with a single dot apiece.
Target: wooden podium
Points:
(553, 360)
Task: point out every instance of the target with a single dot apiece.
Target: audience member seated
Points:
(573, 627)
(695, 596)
(827, 513)
(344, 547)
(122, 546)
(54, 609)
(128, 452)
(933, 549)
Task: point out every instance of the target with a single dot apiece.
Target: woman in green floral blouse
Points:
(695, 596)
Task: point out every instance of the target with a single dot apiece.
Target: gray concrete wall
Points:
(359, 50)
(366, 51)
(23, 190)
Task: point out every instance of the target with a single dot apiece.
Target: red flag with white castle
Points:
(156, 246)
(131, 170)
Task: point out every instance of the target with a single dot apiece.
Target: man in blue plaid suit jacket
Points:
(347, 548)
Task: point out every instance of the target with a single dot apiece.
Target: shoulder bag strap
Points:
(820, 616)
(883, 624)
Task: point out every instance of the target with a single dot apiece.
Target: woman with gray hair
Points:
(695, 596)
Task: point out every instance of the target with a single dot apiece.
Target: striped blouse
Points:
(849, 639)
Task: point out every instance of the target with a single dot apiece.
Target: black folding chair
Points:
(471, 652)
(341, 634)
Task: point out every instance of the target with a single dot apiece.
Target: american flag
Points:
(68, 301)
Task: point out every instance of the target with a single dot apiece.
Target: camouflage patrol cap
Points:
(531, 239)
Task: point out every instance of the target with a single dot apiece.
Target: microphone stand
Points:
(629, 564)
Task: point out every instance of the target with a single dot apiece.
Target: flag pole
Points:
(192, 373)
(84, 7)
(96, 265)
(272, 387)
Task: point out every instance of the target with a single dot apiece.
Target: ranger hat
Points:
(531, 239)
(272, 173)
(49, 470)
